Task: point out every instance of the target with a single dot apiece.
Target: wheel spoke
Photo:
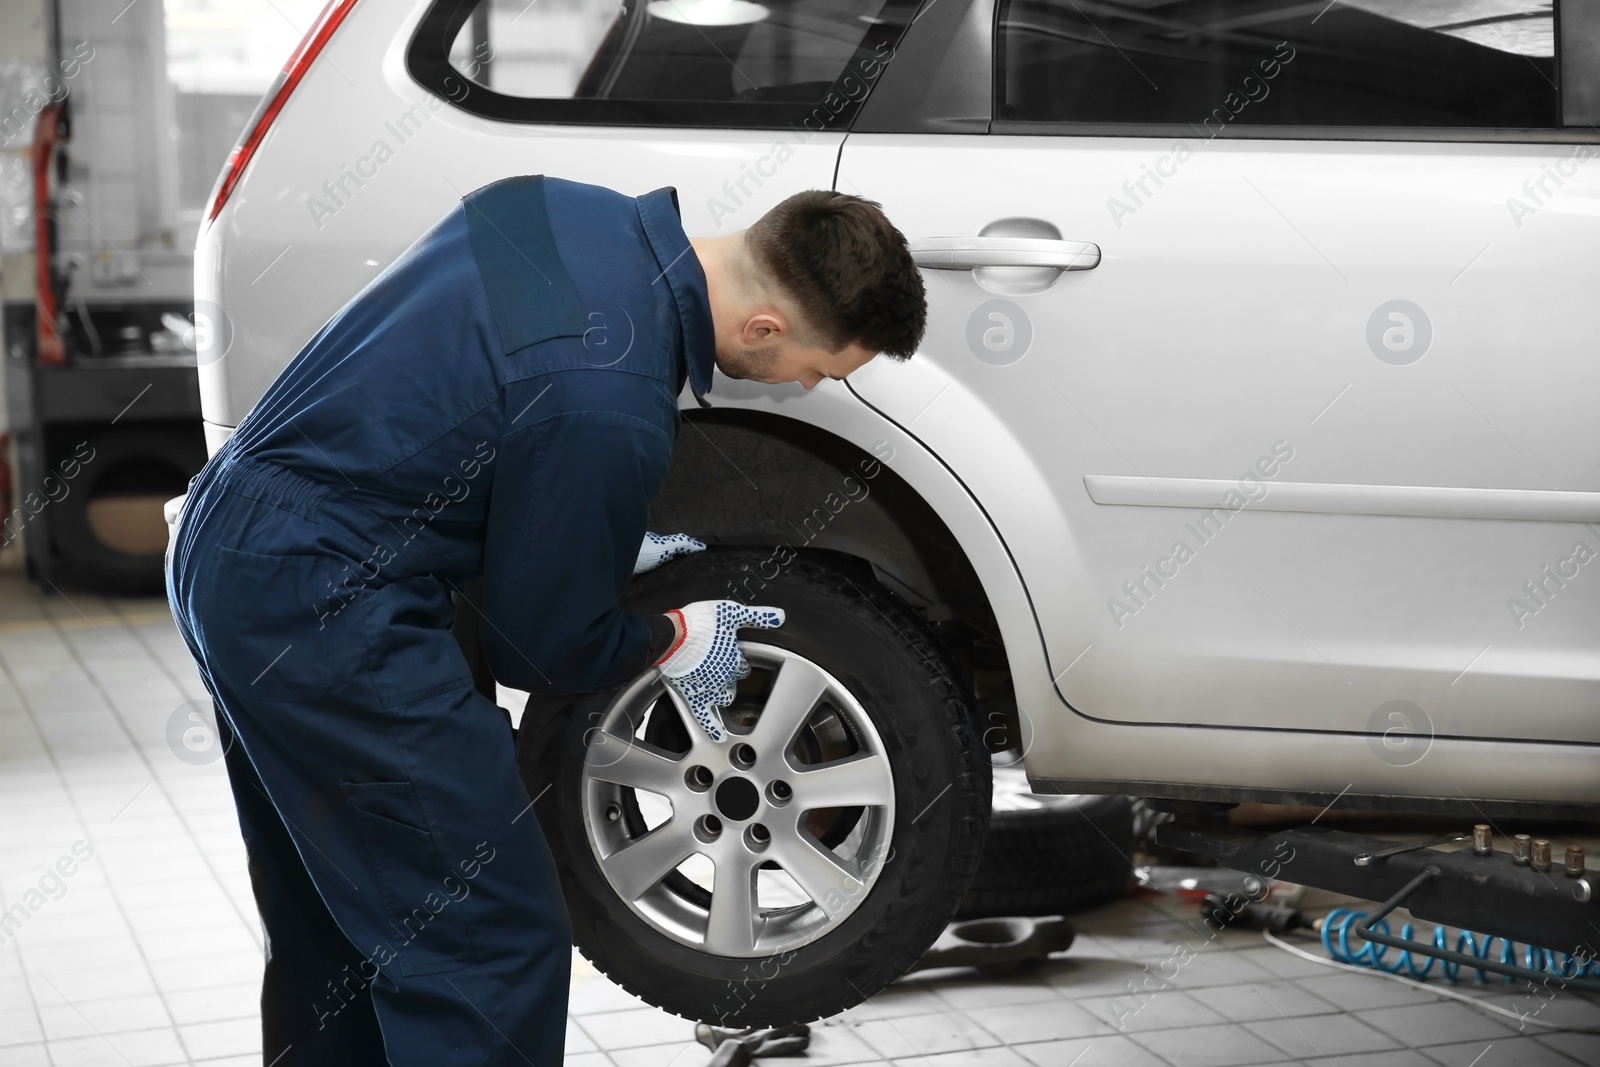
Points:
(648, 859)
(795, 692)
(631, 762)
(699, 740)
(859, 780)
(730, 928)
(818, 872)
(819, 888)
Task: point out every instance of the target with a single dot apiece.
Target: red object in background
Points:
(51, 349)
(256, 129)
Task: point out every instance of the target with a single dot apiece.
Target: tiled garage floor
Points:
(148, 951)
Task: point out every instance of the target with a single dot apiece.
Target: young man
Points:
(499, 403)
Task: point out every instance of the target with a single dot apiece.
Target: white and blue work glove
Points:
(706, 665)
(657, 549)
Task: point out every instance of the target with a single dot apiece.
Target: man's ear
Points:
(764, 327)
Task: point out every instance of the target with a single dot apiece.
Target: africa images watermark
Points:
(1583, 957)
(55, 487)
(1541, 589)
(453, 491)
(53, 90)
(743, 991)
(337, 191)
(812, 526)
(1252, 488)
(851, 88)
(192, 733)
(1252, 89)
(1567, 166)
(1400, 732)
(50, 886)
(343, 992)
(1257, 887)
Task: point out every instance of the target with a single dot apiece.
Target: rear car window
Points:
(740, 63)
(1215, 63)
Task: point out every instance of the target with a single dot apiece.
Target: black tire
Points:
(1050, 855)
(153, 461)
(889, 661)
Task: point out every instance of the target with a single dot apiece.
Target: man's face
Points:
(768, 352)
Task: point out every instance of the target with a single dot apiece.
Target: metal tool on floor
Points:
(1221, 911)
(735, 1048)
(1193, 883)
(998, 946)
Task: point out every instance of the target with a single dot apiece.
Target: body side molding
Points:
(1415, 501)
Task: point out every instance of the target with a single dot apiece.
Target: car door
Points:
(1264, 332)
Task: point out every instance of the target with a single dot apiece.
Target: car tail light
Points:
(272, 103)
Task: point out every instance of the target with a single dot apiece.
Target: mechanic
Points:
(499, 403)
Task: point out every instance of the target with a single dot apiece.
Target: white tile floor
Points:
(140, 947)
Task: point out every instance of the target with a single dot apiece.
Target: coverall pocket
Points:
(425, 930)
(260, 625)
(410, 650)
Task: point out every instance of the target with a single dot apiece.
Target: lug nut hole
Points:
(743, 756)
(779, 792)
(698, 778)
(708, 828)
(756, 837)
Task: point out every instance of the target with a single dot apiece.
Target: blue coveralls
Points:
(501, 401)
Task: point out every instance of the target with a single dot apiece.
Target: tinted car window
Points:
(674, 62)
(1216, 63)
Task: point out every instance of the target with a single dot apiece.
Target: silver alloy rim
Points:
(748, 806)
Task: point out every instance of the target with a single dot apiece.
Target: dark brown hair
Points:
(847, 267)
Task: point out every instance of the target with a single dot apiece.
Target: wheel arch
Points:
(743, 477)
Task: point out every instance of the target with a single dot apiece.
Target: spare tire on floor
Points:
(108, 528)
(1049, 855)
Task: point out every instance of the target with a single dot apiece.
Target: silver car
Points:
(1251, 455)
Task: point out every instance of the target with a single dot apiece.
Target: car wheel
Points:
(1049, 854)
(806, 862)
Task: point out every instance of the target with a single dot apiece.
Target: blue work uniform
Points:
(500, 402)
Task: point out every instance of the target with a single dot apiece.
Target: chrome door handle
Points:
(965, 253)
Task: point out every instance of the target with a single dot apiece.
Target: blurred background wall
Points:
(115, 119)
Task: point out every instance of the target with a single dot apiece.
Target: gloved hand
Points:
(706, 663)
(657, 549)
